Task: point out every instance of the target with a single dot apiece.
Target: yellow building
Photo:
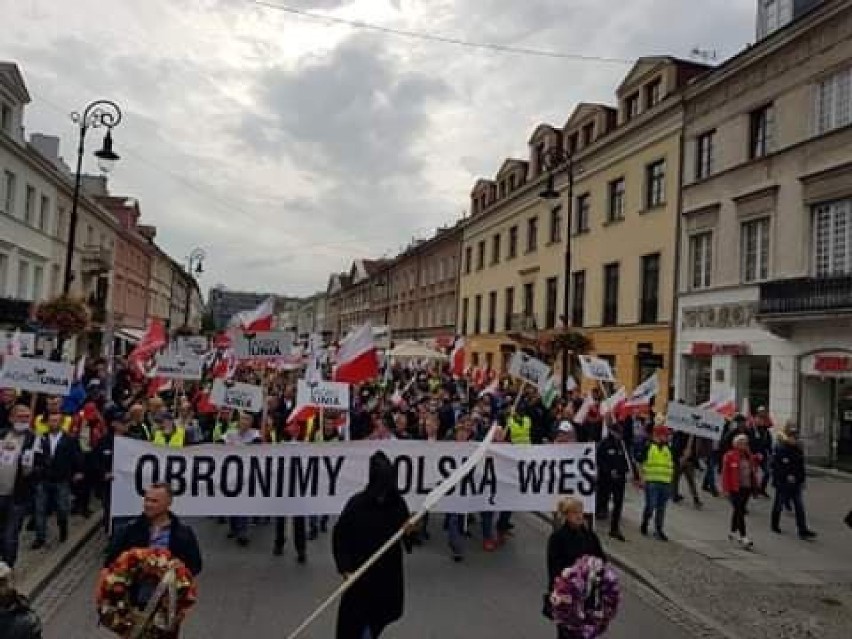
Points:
(624, 207)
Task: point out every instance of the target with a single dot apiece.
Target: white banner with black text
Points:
(318, 479)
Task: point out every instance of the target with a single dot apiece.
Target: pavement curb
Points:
(649, 581)
(34, 584)
(833, 473)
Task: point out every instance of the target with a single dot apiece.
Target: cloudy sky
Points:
(287, 146)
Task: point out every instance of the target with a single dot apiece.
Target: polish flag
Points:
(153, 340)
(259, 319)
(225, 365)
(723, 401)
(159, 385)
(457, 358)
(302, 413)
(356, 358)
(613, 405)
(583, 411)
(641, 396)
(492, 389)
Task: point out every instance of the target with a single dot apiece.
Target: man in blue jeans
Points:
(788, 476)
(657, 473)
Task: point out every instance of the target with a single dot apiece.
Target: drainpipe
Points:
(675, 319)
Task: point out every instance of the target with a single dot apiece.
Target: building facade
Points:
(766, 275)
(311, 316)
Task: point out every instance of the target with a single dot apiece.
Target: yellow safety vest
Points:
(177, 439)
(520, 430)
(219, 430)
(659, 465)
(41, 427)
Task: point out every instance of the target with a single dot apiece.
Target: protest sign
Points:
(195, 344)
(238, 396)
(37, 375)
(333, 395)
(298, 479)
(26, 342)
(264, 345)
(178, 365)
(529, 369)
(695, 421)
(596, 368)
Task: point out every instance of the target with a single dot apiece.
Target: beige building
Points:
(766, 276)
(624, 205)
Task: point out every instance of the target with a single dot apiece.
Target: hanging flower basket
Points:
(574, 341)
(65, 315)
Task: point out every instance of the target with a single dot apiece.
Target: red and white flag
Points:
(583, 411)
(641, 396)
(259, 319)
(356, 358)
(81, 369)
(153, 340)
(224, 365)
(613, 405)
(457, 358)
(723, 401)
(492, 389)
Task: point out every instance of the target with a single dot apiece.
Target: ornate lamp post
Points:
(196, 264)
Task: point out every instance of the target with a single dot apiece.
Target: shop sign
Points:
(828, 364)
(738, 315)
(707, 349)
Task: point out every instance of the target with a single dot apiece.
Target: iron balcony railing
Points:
(806, 295)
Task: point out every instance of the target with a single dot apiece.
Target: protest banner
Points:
(173, 364)
(596, 368)
(529, 369)
(25, 341)
(264, 345)
(238, 396)
(695, 421)
(328, 395)
(298, 479)
(195, 344)
(37, 375)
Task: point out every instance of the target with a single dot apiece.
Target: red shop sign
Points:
(704, 349)
(832, 363)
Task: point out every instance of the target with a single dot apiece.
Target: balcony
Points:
(783, 302)
(95, 259)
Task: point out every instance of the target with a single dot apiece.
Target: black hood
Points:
(382, 480)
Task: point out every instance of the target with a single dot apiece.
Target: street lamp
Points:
(553, 160)
(97, 114)
(196, 262)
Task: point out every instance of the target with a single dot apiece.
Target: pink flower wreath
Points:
(585, 597)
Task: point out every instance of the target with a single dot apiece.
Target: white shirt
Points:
(53, 440)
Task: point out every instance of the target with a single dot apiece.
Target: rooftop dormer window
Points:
(653, 93)
(588, 133)
(539, 157)
(6, 119)
(512, 183)
(631, 107)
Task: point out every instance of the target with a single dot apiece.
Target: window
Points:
(6, 118)
(90, 235)
(701, 259)
(772, 15)
(474, 359)
(55, 284)
(616, 201)
(529, 299)
(551, 295)
(588, 134)
(61, 221)
(631, 106)
(9, 192)
(480, 255)
(655, 190)
(495, 249)
(610, 297)
(539, 158)
(44, 213)
(754, 249)
(653, 93)
(38, 282)
(477, 315)
(4, 273)
(510, 308)
(833, 102)
(503, 188)
(832, 245)
(704, 155)
(556, 225)
(23, 280)
(532, 234)
(573, 143)
(29, 205)
(583, 205)
(648, 313)
(513, 242)
(511, 182)
(492, 312)
(761, 127)
(578, 297)
(468, 259)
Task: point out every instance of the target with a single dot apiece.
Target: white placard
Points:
(322, 394)
(26, 340)
(263, 345)
(236, 395)
(297, 479)
(596, 368)
(695, 421)
(195, 344)
(37, 375)
(529, 369)
(178, 365)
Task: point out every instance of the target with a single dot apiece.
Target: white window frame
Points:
(10, 186)
(757, 231)
(701, 265)
(30, 204)
(832, 244)
(38, 282)
(23, 284)
(832, 108)
(704, 154)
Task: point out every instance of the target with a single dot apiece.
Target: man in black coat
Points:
(17, 480)
(369, 519)
(17, 618)
(158, 527)
(788, 476)
(613, 468)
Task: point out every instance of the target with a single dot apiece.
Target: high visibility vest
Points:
(520, 430)
(659, 465)
(219, 430)
(41, 427)
(177, 439)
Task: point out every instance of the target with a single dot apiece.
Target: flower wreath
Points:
(585, 597)
(136, 573)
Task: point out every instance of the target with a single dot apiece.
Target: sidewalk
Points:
(35, 568)
(782, 588)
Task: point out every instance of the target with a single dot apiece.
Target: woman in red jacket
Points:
(739, 482)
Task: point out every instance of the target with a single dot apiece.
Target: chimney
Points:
(95, 185)
(147, 231)
(47, 145)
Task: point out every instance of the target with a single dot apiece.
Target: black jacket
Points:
(788, 466)
(613, 465)
(182, 542)
(566, 546)
(66, 461)
(760, 441)
(18, 620)
(103, 456)
(24, 482)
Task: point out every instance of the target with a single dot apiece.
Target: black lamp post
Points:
(196, 262)
(553, 160)
(97, 114)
